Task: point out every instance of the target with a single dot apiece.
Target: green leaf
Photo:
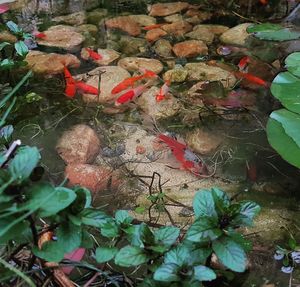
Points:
(286, 145)
(179, 255)
(240, 240)
(21, 48)
(130, 256)
(110, 229)
(141, 235)
(166, 235)
(13, 233)
(87, 241)
(221, 200)
(68, 236)
(51, 251)
(6, 64)
(93, 217)
(104, 254)
(203, 273)
(13, 27)
(204, 229)
(25, 160)
(247, 211)
(263, 27)
(292, 63)
(3, 45)
(199, 256)
(285, 87)
(231, 254)
(123, 217)
(292, 243)
(167, 273)
(83, 200)
(203, 204)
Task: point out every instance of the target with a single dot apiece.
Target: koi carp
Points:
(251, 78)
(86, 88)
(70, 89)
(94, 55)
(243, 63)
(39, 35)
(163, 91)
(130, 95)
(189, 161)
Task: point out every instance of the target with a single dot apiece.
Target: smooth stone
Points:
(154, 34)
(163, 48)
(133, 64)
(236, 35)
(173, 18)
(202, 34)
(177, 28)
(108, 56)
(215, 29)
(74, 19)
(50, 64)
(132, 46)
(88, 28)
(165, 9)
(191, 48)
(124, 23)
(143, 20)
(177, 75)
(5, 36)
(95, 16)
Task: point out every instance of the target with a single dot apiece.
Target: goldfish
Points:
(86, 88)
(243, 63)
(189, 161)
(94, 55)
(148, 74)
(251, 78)
(129, 82)
(130, 95)
(70, 89)
(154, 26)
(39, 35)
(163, 91)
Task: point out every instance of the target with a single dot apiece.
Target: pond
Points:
(197, 97)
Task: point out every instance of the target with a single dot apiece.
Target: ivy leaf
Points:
(13, 27)
(104, 254)
(203, 273)
(166, 235)
(51, 251)
(123, 217)
(231, 254)
(203, 229)
(248, 210)
(130, 256)
(69, 236)
(167, 273)
(179, 255)
(25, 160)
(204, 204)
(21, 48)
(93, 217)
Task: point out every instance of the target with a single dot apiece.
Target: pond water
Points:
(229, 136)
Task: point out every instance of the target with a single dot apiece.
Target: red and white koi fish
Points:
(189, 161)
(130, 95)
(243, 63)
(163, 91)
(154, 26)
(251, 78)
(94, 55)
(70, 89)
(86, 88)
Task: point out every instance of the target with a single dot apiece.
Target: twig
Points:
(10, 150)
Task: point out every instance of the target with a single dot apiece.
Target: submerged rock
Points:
(5, 36)
(75, 19)
(132, 46)
(213, 28)
(112, 76)
(165, 9)
(108, 56)
(178, 75)
(202, 34)
(177, 28)
(50, 64)
(191, 48)
(163, 48)
(124, 23)
(203, 142)
(154, 34)
(143, 20)
(88, 28)
(236, 35)
(197, 16)
(204, 72)
(95, 178)
(158, 110)
(62, 36)
(95, 16)
(174, 18)
(80, 144)
(134, 64)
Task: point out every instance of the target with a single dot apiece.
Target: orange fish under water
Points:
(70, 89)
(86, 88)
(130, 95)
(94, 55)
(189, 161)
(263, 2)
(251, 78)
(148, 74)
(243, 63)
(163, 91)
(154, 26)
(129, 82)
(39, 35)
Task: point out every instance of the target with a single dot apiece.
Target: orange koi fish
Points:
(251, 78)
(148, 73)
(39, 35)
(163, 91)
(70, 89)
(189, 161)
(86, 88)
(154, 26)
(243, 63)
(94, 55)
(130, 95)
(129, 82)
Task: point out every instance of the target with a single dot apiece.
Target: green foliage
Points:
(273, 32)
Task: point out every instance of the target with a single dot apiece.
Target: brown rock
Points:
(133, 64)
(62, 36)
(5, 36)
(177, 28)
(165, 9)
(202, 34)
(95, 178)
(80, 144)
(50, 64)
(191, 48)
(124, 23)
(236, 35)
(215, 29)
(154, 34)
(108, 56)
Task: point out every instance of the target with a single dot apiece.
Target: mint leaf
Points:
(130, 256)
(179, 255)
(104, 254)
(167, 273)
(203, 204)
(203, 273)
(93, 217)
(69, 236)
(247, 211)
(123, 217)
(166, 235)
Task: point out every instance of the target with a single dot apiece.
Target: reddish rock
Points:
(177, 28)
(165, 9)
(190, 48)
(154, 34)
(80, 144)
(95, 178)
(124, 23)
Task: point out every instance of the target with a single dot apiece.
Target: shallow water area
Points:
(220, 117)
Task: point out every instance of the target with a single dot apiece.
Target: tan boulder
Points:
(165, 9)
(191, 48)
(124, 23)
